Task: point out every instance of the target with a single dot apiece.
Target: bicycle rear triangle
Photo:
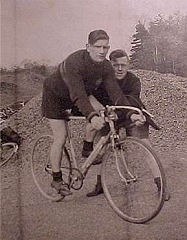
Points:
(42, 172)
(41, 167)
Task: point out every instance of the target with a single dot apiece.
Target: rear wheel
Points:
(41, 167)
(133, 181)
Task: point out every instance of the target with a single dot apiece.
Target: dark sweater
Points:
(83, 77)
(130, 85)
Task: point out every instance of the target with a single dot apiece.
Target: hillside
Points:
(21, 85)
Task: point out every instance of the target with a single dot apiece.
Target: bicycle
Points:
(129, 168)
(8, 148)
(7, 151)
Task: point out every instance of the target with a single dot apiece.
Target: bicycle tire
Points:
(7, 151)
(138, 201)
(41, 167)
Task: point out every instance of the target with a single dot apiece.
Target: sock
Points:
(88, 146)
(57, 176)
(99, 179)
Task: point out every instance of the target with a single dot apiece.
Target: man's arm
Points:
(132, 90)
(134, 98)
(70, 71)
(136, 88)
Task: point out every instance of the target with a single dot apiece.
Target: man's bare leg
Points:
(59, 130)
(90, 131)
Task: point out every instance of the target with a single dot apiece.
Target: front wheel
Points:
(133, 181)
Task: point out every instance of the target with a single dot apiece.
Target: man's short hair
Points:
(96, 35)
(117, 54)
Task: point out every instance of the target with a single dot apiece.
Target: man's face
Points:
(120, 66)
(98, 50)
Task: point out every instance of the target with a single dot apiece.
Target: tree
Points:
(141, 49)
(163, 47)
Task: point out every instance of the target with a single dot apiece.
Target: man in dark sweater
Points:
(131, 87)
(75, 85)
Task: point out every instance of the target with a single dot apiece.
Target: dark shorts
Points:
(56, 99)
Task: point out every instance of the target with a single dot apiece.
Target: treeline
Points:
(31, 67)
(162, 46)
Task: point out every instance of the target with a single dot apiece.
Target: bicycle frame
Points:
(86, 165)
(112, 135)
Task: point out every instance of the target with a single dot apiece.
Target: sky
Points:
(48, 31)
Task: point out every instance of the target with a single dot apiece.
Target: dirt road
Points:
(26, 215)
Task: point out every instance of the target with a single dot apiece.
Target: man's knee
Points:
(59, 130)
(141, 132)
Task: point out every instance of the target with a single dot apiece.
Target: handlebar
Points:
(140, 111)
(109, 109)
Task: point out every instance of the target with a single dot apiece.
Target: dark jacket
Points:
(83, 77)
(78, 76)
(131, 87)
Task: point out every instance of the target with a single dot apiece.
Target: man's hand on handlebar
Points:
(97, 122)
(138, 119)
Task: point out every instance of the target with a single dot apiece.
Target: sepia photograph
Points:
(93, 120)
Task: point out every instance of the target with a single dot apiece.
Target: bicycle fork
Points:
(122, 159)
(114, 137)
